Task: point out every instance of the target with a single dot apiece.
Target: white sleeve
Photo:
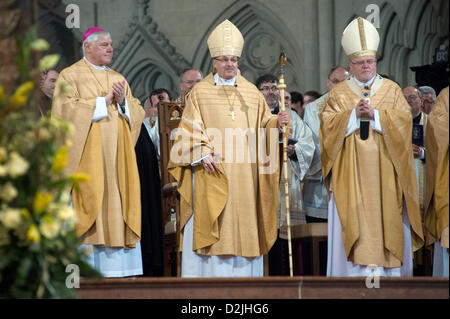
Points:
(100, 111)
(197, 162)
(127, 110)
(376, 125)
(353, 123)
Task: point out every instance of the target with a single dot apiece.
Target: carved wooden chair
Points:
(169, 116)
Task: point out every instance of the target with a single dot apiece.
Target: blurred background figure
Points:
(47, 84)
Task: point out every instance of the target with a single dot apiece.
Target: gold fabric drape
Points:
(107, 207)
(437, 169)
(235, 208)
(371, 178)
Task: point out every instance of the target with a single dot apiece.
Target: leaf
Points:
(2, 94)
(39, 45)
(48, 61)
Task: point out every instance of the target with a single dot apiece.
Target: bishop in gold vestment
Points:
(229, 203)
(374, 215)
(436, 212)
(107, 207)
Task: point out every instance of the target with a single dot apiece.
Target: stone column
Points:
(309, 73)
(326, 42)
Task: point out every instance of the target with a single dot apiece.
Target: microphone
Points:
(365, 121)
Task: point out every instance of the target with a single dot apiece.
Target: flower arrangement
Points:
(37, 232)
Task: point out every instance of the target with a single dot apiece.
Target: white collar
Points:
(368, 83)
(220, 81)
(95, 66)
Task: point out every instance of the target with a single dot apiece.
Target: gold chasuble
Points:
(235, 209)
(437, 167)
(370, 178)
(107, 207)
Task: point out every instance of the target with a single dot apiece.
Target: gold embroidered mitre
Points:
(225, 39)
(360, 38)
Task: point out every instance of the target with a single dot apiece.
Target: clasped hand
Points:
(117, 93)
(363, 109)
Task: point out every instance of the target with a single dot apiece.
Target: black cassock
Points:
(152, 230)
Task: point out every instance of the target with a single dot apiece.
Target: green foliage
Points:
(37, 232)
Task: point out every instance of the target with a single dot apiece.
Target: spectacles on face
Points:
(233, 60)
(428, 101)
(411, 97)
(269, 88)
(335, 81)
(361, 63)
(191, 81)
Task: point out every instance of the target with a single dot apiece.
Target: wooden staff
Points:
(282, 87)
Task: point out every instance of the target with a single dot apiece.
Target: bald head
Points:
(412, 95)
(337, 75)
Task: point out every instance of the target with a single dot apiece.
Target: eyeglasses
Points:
(361, 63)
(267, 88)
(226, 60)
(335, 81)
(191, 81)
(428, 101)
(411, 97)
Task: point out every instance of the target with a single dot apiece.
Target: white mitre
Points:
(225, 39)
(360, 38)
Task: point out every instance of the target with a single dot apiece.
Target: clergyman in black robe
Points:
(152, 230)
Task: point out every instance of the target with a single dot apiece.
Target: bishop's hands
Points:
(363, 109)
(117, 93)
(209, 164)
(283, 118)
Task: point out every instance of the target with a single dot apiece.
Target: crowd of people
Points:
(367, 157)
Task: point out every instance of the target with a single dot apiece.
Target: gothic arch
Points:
(147, 75)
(406, 43)
(63, 41)
(265, 35)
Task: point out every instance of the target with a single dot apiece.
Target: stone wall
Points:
(155, 40)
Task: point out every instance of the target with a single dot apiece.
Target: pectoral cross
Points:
(232, 115)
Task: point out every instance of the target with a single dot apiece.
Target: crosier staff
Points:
(282, 87)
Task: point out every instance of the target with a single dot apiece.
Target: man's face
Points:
(412, 96)
(427, 102)
(190, 78)
(48, 83)
(271, 93)
(363, 68)
(100, 52)
(154, 103)
(287, 99)
(226, 66)
(338, 75)
(307, 99)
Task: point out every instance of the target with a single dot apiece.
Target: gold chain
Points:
(231, 109)
(107, 78)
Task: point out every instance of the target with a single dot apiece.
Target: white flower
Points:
(8, 192)
(3, 171)
(10, 217)
(44, 134)
(49, 227)
(66, 213)
(17, 165)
